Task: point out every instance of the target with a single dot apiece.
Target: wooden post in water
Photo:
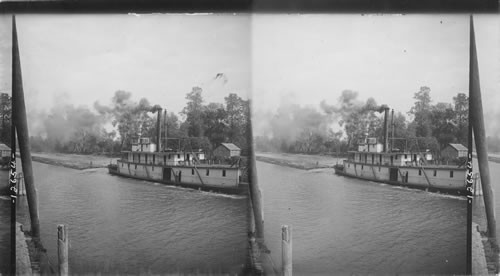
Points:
(21, 124)
(286, 250)
(477, 121)
(62, 249)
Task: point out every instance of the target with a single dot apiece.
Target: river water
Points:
(4, 234)
(345, 225)
(127, 226)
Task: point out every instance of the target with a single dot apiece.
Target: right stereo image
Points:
(376, 144)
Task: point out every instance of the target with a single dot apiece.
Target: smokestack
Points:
(386, 129)
(392, 131)
(158, 130)
(165, 130)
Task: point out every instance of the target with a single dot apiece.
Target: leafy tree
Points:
(129, 117)
(194, 113)
(461, 108)
(214, 117)
(421, 111)
(237, 111)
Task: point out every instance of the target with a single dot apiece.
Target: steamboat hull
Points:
(460, 190)
(241, 189)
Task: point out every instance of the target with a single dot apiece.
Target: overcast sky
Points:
(307, 58)
(299, 58)
(84, 58)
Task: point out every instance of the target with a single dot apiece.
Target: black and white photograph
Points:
(249, 143)
(360, 125)
(137, 128)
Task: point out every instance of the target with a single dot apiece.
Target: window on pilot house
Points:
(419, 172)
(223, 173)
(451, 173)
(208, 172)
(146, 158)
(435, 172)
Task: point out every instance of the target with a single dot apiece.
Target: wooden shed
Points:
(226, 150)
(454, 151)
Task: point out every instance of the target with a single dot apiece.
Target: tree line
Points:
(112, 128)
(298, 129)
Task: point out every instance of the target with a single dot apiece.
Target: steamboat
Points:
(374, 161)
(186, 168)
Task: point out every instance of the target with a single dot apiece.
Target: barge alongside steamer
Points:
(376, 162)
(187, 169)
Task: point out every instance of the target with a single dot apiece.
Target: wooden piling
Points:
(477, 120)
(286, 250)
(21, 123)
(62, 249)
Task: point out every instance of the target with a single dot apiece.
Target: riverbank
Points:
(493, 157)
(74, 161)
(298, 161)
(23, 261)
(489, 248)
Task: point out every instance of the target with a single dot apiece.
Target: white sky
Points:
(84, 58)
(307, 58)
(300, 58)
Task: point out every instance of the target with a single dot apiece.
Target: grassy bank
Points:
(74, 161)
(492, 157)
(298, 161)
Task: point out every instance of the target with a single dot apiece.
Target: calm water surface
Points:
(345, 225)
(4, 233)
(128, 226)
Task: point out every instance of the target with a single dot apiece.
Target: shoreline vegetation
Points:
(293, 160)
(300, 161)
(75, 161)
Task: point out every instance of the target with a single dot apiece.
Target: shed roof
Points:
(230, 146)
(458, 147)
(4, 147)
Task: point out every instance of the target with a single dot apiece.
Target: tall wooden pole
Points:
(477, 120)
(21, 123)
(13, 194)
(469, 197)
(255, 193)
